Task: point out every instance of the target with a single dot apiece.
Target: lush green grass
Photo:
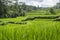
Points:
(33, 30)
(38, 29)
(18, 19)
(42, 13)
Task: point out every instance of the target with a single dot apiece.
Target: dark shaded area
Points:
(12, 23)
(3, 24)
(57, 20)
(21, 23)
(17, 22)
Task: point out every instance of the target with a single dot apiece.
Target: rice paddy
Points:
(37, 29)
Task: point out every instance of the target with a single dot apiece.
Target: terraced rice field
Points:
(38, 29)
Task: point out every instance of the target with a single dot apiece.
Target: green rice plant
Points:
(33, 30)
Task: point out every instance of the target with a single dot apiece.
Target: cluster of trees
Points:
(3, 9)
(10, 9)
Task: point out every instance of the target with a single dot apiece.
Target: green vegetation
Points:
(33, 30)
(52, 11)
(23, 22)
(37, 29)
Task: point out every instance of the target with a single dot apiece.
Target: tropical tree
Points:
(3, 9)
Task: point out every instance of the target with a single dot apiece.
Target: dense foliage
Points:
(7, 10)
(52, 11)
(3, 9)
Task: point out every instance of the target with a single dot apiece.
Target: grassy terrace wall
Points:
(41, 17)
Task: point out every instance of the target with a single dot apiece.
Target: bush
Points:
(52, 11)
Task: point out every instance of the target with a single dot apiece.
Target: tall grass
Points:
(34, 30)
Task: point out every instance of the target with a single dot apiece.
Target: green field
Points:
(29, 20)
(34, 30)
(37, 29)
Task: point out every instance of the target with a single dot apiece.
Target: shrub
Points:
(52, 11)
